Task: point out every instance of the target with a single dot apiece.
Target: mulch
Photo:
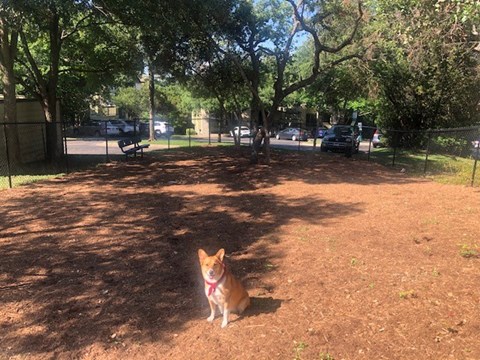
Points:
(343, 259)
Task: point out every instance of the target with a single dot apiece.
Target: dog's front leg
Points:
(212, 310)
(225, 315)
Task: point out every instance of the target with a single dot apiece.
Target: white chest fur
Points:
(217, 295)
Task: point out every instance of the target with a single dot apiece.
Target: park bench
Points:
(132, 146)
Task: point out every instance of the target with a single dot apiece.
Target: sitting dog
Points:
(221, 287)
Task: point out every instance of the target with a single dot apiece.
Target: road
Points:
(288, 144)
(95, 146)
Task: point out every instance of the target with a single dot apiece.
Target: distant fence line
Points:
(462, 142)
(23, 148)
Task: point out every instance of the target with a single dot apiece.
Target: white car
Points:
(162, 128)
(377, 139)
(123, 126)
(112, 129)
(476, 149)
(244, 131)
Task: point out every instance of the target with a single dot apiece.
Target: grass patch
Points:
(407, 294)
(184, 141)
(325, 356)
(445, 169)
(469, 251)
(298, 349)
(18, 180)
(22, 174)
(269, 266)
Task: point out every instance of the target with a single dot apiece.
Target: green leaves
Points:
(422, 65)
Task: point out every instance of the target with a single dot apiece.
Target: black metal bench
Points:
(132, 146)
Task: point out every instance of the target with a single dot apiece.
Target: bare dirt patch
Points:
(342, 258)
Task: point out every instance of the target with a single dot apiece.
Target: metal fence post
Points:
(106, 142)
(44, 140)
(64, 129)
(209, 132)
(429, 136)
(9, 174)
(190, 138)
(475, 164)
(395, 143)
(369, 148)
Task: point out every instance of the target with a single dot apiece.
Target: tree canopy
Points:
(407, 63)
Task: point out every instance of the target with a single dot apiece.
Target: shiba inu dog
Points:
(221, 287)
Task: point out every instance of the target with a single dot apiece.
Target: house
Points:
(29, 132)
(205, 122)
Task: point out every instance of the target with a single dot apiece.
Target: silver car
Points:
(294, 134)
(377, 139)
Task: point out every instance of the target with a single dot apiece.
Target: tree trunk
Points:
(151, 110)
(53, 139)
(49, 96)
(46, 86)
(8, 49)
(263, 136)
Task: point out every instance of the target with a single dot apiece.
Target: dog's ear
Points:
(220, 254)
(202, 255)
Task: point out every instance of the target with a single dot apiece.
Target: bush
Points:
(450, 145)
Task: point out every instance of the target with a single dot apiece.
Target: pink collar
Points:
(213, 285)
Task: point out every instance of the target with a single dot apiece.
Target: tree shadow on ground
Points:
(110, 255)
(262, 305)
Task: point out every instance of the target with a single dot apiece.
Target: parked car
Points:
(135, 124)
(292, 134)
(111, 128)
(123, 127)
(476, 149)
(244, 131)
(320, 132)
(162, 128)
(96, 128)
(340, 138)
(377, 139)
(88, 129)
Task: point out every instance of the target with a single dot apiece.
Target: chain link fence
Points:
(448, 152)
(24, 154)
(26, 157)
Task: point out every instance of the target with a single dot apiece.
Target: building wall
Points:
(298, 116)
(31, 130)
(201, 122)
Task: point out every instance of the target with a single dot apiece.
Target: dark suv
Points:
(89, 129)
(341, 138)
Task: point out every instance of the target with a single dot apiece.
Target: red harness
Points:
(213, 285)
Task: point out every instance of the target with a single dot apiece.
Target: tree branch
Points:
(319, 48)
(32, 67)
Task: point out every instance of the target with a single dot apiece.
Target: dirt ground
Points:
(343, 259)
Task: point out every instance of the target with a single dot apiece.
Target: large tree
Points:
(63, 37)
(271, 36)
(424, 65)
(9, 23)
(172, 36)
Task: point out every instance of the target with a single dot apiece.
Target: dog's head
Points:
(212, 266)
